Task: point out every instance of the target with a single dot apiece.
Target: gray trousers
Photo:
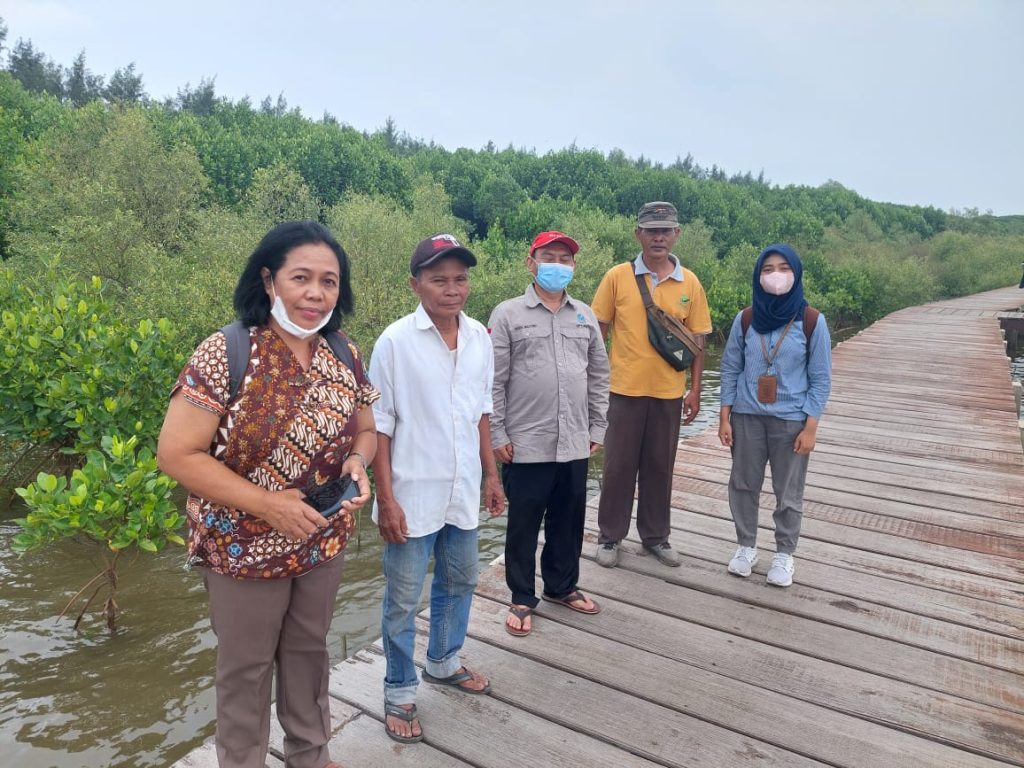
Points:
(756, 441)
(259, 624)
(639, 452)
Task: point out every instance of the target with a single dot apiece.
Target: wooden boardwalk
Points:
(901, 642)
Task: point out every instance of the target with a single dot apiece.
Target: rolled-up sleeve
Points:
(819, 370)
(382, 375)
(488, 375)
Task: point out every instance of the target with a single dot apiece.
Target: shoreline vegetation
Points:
(125, 221)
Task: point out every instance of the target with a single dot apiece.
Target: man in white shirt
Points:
(435, 370)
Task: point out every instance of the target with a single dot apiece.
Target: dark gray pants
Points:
(639, 452)
(757, 441)
(260, 625)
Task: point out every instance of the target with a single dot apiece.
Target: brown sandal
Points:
(522, 613)
(574, 597)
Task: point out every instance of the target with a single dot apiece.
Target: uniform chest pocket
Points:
(532, 348)
(575, 348)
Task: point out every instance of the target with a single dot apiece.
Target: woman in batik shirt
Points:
(300, 418)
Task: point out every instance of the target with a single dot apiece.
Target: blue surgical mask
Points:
(553, 277)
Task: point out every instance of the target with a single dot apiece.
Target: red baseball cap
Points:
(547, 238)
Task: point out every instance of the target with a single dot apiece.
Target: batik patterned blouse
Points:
(286, 428)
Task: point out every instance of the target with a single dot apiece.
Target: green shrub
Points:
(82, 389)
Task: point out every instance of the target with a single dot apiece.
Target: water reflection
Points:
(145, 697)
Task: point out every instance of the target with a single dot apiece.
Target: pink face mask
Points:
(777, 283)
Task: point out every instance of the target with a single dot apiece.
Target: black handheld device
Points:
(326, 499)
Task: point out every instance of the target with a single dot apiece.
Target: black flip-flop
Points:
(455, 680)
(408, 715)
(522, 614)
(574, 596)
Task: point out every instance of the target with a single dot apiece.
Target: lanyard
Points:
(770, 358)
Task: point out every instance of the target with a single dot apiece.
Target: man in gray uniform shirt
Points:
(550, 399)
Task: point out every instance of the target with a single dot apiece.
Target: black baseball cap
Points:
(437, 247)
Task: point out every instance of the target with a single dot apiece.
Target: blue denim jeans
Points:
(451, 592)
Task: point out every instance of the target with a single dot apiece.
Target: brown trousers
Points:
(639, 453)
(259, 624)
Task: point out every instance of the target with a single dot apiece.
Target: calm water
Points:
(145, 697)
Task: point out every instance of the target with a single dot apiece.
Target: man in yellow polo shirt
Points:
(648, 397)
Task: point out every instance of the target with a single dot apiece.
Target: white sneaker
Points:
(781, 572)
(743, 561)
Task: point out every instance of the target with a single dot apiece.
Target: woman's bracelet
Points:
(361, 457)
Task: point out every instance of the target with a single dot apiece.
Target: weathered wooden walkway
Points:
(900, 644)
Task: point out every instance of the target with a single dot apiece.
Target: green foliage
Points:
(379, 236)
(278, 194)
(118, 497)
(196, 286)
(968, 263)
(72, 373)
(75, 379)
(105, 198)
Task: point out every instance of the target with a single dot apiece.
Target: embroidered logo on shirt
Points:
(685, 300)
(581, 319)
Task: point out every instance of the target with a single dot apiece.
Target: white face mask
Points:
(777, 283)
(281, 315)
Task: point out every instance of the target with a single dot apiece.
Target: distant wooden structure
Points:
(900, 644)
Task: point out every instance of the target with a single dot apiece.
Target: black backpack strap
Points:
(239, 347)
(236, 336)
(338, 343)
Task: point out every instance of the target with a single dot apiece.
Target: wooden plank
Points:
(946, 547)
(362, 744)
(895, 569)
(851, 588)
(205, 756)
(359, 740)
(949, 673)
(938, 716)
(867, 408)
(821, 733)
(824, 600)
(481, 730)
(850, 493)
(879, 473)
(661, 732)
(968, 473)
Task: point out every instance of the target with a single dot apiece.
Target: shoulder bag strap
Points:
(646, 294)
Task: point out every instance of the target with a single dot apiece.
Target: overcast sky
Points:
(908, 101)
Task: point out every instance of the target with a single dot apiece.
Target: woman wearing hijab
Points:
(776, 377)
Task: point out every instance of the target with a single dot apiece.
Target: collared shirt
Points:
(804, 380)
(550, 379)
(640, 268)
(430, 406)
(637, 368)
